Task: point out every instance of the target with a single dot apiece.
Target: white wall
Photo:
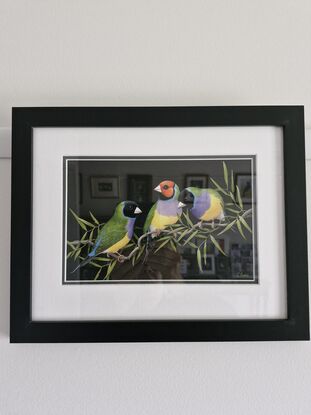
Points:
(138, 52)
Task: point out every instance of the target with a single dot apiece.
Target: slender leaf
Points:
(232, 210)
(239, 197)
(246, 225)
(225, 173)
(217, 245)
(93, 218)
(98, 274)
(134, 259)
(80, 222)
(84, 236)
(71, 245)
(140, 252)
(218, 186)
(182, 235)
(77, 253)
(162, 245)
(173, 245)
(239, 226)
(232, 181)
(87, 223)
(163, 238)
(204, 252)
(103, 259)
(199, 259)
(95, 265)
(110, 269)
(190, 237)
(229, 226)
(186, 215)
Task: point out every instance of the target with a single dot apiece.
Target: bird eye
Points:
(165, 187)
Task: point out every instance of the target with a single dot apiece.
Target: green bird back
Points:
(196, 191)
(149, 218)
(112, 232)
(217, 195)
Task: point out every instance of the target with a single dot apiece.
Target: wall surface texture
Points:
(117, 52)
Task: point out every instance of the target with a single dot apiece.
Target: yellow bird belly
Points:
(161, 221)
(214, 212)
(119, 245)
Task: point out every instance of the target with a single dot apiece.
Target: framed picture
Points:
(135, 263)
(105, 187)
(244, 184)
(140, 188)
(196, 180)
(223, 265)
(208, 265)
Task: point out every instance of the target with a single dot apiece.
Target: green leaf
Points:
(239, 197)
(173, 245)
(229, 226)
(79, 220)
(87, 223)
(232, 210)
(77, 253)
(140, 252)
(225, 173)
(162, 245)
(232, 181)
(232, 196)
(219, 188)
(240, 229)
(93, 218)
(102, 259)
(190, 237)
(192, 245)
(95, 265)
(134, 259)
(217, 245)
(186, 215)
(204, 252)
(98, 274)
(182, 235)
(110, 269)
(243, 221)
(163, 238)
(199, 259)
(84, 236)
(71, 245)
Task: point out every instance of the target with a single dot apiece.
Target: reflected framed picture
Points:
(105, 187)
(244, 184)
(154, 250)
(140, 188)
(196, 180)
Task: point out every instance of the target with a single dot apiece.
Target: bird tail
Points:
(83, 263)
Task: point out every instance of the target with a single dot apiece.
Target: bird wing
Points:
(149, 218)
(217, 195)
(111, 233)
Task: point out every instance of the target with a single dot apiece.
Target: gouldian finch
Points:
(208, 204)
(166, 210)
(116, 233)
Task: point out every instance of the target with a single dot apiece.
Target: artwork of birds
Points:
(166, 210)
(208, 204)
(116, 233)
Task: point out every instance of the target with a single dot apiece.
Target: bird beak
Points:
(158, 189)
(137, 211)
(181, 205)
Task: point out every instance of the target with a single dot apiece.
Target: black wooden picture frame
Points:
(294, 327)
